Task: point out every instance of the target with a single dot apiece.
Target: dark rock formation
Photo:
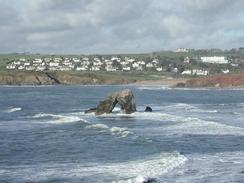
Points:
(90, 110)
(148, 109)
(149, 180)
(125, 99)
(180, 85)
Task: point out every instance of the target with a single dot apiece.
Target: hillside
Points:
(220, 80)
(69, 78)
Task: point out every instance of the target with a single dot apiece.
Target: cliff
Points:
(221, 80)
(53, 78)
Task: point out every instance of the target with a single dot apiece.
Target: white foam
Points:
(190, 125)
(212, 167)
(118, 131)
(56, 119)
(203, 111)
(98, 126)
(123, 172)
(14, 109)
(165, 87)
(123, 132)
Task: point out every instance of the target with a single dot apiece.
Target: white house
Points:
(149, 65)
(21, 67)
(159, 69)
(234, 65)
(155, 61)
(130, 60)
(225, 71)
(110, 68)
(141, 62)
(10, 66)
(53, 64)
(187, 72)
(140, 68)
(47, 59)
(27, 64)
(215, 60)
(114, 58)
(85, 68)
(30, 68)
(40, 68)
(187, 60)
(181, 50)
(126, 68)
(175, 70)
(37, 61)
(200, 72)
(95, 68)
(135, 65)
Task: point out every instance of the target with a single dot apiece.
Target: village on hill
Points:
(122, 64)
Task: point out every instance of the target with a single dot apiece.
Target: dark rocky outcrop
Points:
(90, 110)
(148, 109)
(149, 180)
(180, 85)
(124, 98)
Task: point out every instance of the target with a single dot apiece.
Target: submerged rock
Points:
(124, 98)
(148, 109)
(90, 110)
(149, 180)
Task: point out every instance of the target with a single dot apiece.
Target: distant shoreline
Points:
(85, 78)
(107, 78)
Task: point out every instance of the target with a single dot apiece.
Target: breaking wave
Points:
(190, 125)
(136, 171)
(118, 131)
(56, 119)
(14, 109)
(154, 88)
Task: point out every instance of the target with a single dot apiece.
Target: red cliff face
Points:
(222, 80)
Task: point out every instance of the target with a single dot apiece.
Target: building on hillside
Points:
(200, 72)
(187, 60)
(159, 69)
(126, 68)
(215, 60)
(187, 72)
(225, 71)
(181, 50)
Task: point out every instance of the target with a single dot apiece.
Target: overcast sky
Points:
(119, 26)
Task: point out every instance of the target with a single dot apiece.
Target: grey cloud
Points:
(107, 26)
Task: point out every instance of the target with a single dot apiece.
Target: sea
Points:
(192, 136)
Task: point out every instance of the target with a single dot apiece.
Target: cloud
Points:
(119, 26)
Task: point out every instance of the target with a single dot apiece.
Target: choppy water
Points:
(191, 136)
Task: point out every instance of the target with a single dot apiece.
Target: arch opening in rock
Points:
(125, 99)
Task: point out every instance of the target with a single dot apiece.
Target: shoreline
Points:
(161, 82)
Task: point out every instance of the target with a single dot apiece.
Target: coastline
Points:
(170, 82)
(227, 81)
(28, 78)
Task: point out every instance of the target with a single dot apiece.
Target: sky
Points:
(119, 26)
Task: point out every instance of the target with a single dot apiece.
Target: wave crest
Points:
(56, 118)
(13, 109)
(118, 131)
